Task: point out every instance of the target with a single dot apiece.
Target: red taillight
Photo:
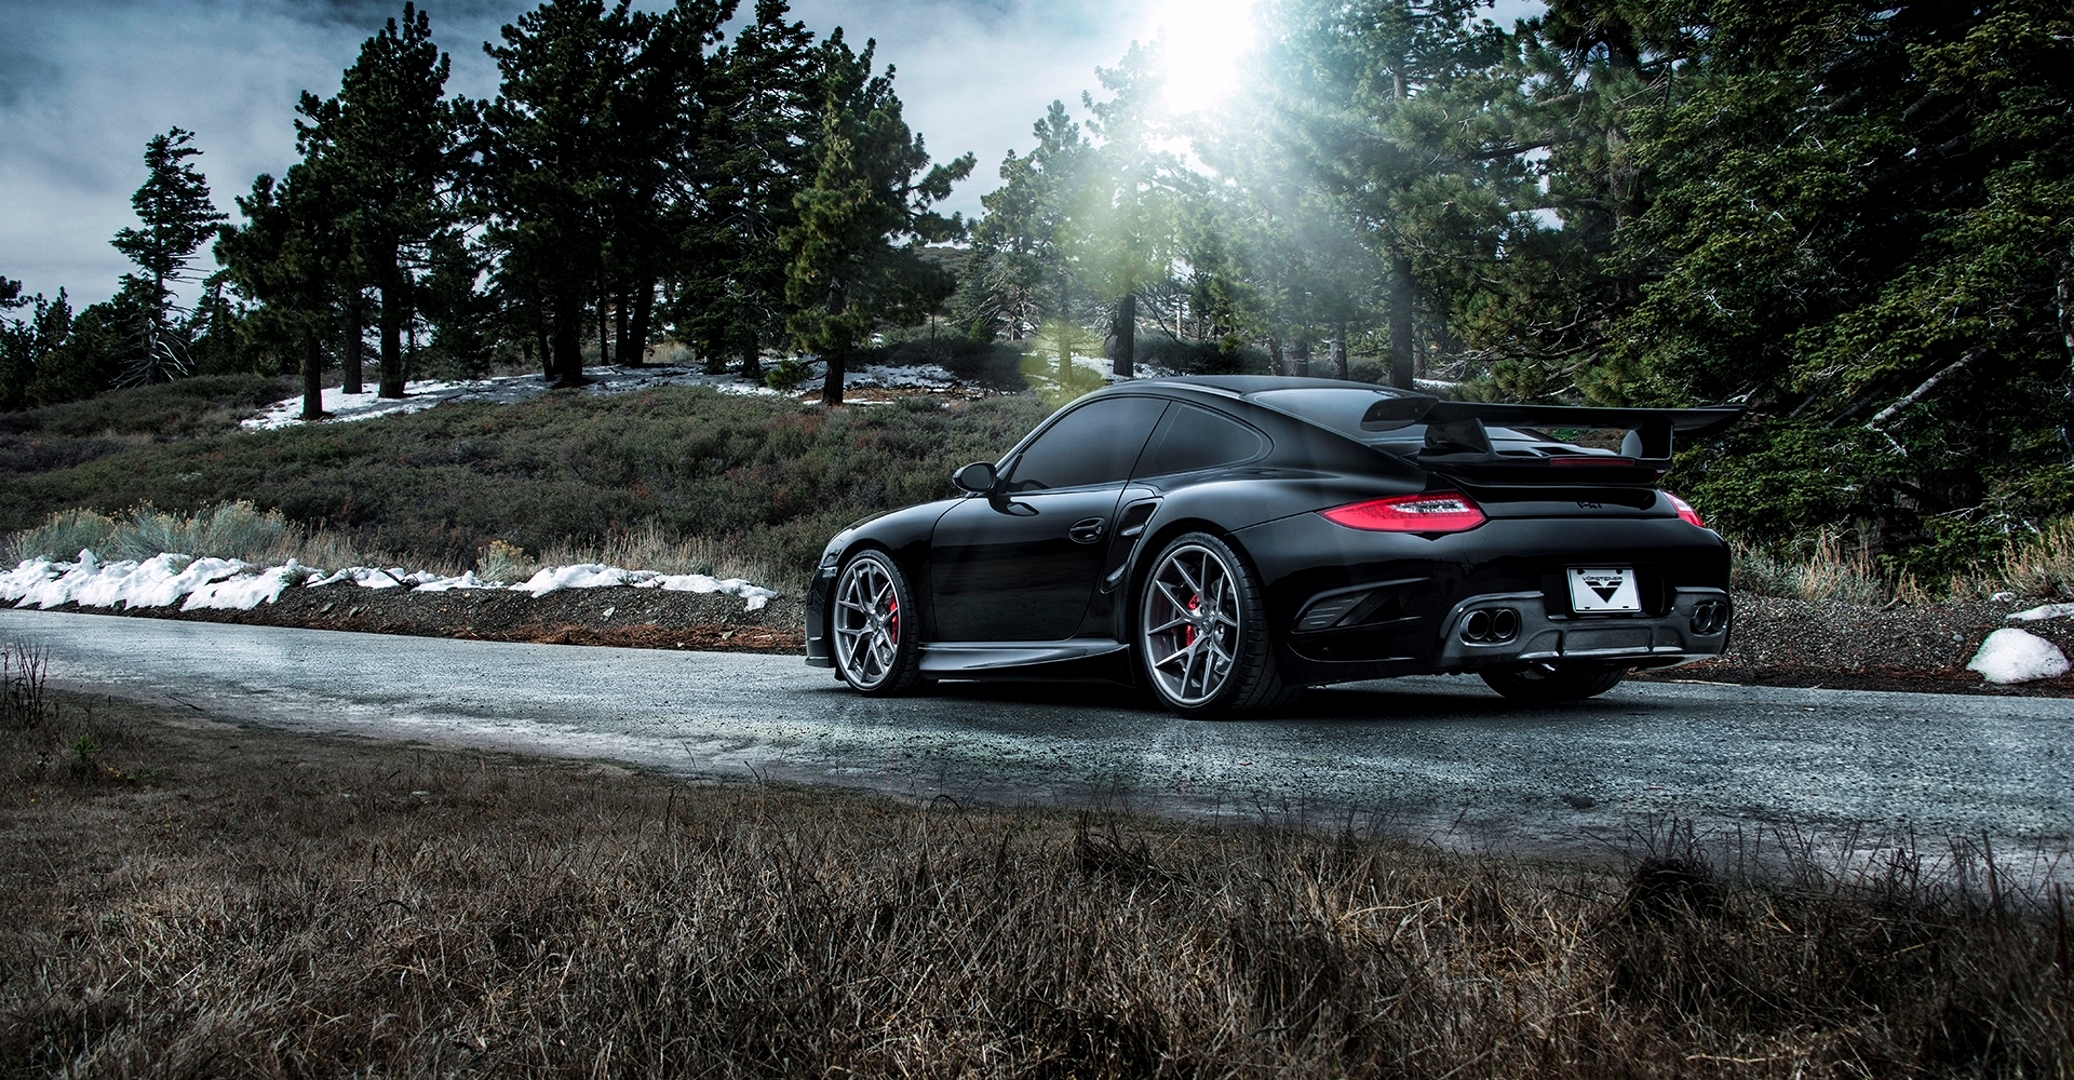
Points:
(1409, 513)
(1686, 513)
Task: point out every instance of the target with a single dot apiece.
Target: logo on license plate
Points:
(1604, 589)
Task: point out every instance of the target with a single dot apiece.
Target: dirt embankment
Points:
(1777, 642)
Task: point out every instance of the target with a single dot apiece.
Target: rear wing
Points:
(1456, 429)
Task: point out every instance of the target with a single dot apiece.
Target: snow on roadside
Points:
(611, 379)
(595, 575)
(234, 585)
(2039, 614)
(2014, 656)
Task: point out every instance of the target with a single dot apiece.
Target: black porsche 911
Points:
(1228, 541)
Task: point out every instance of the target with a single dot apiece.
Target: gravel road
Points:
(1436, 757)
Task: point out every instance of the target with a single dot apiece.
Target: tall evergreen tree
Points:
(855, 251)
(1021, 277)
(389, 144)
(753, 156)
(176, 216)
(1126, 216)
(550, 163)
(284, 257)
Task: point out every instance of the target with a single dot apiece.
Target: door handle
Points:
(1086, 530)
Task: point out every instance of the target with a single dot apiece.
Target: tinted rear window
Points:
(1200, 439)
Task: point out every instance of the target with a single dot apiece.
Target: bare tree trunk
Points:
(356, 346)
(604, 328)
(638, 329)
(567, 364)
(312, 377)
(1401, 370)
(2065, 294)
(392, 340)
(752, 358)
(1123, 359)
(1301, 352)
(1276, 365)
(1339, 350)
(622, 318)
(832, 382)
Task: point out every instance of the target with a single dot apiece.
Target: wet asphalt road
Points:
(1435, 757)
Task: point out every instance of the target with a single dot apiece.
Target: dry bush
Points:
(651, 547)
(281, 907)
(2043, 565)
(1827, 570)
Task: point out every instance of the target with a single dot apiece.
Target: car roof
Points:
(1248, 385)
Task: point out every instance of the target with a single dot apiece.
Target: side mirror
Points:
(977, 478)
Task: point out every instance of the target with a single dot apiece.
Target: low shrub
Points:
(766, 479)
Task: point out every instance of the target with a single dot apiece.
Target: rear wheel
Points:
(1202, 632)
(875, 648)
(1554, 682)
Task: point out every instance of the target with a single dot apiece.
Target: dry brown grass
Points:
(278, 906)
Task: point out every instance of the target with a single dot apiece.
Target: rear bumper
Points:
(1348, 605)
(1696, 626)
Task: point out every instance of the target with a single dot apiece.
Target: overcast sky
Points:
(83, 84)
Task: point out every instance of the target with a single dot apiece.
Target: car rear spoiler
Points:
(1456, 428)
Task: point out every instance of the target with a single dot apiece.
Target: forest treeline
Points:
(1856, 218)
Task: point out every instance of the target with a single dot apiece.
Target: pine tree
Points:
(753, 156)
(176, 215)
(1126, 216)
(551, 162)
(389, 144)
(1020, 277)
(284, 257)
(856, 249)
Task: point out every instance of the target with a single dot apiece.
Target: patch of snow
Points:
(230, 584)
(2002, 597)
(2039, 614)
(2014, 656)
(598, 576)
(245, 591)
(610, 379)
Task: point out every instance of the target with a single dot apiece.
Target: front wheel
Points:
(1543, 683)
(873, 627)
(1202, 632)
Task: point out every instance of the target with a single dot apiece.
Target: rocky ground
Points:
(1777, 642)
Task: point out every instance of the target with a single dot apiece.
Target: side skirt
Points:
(978, 659)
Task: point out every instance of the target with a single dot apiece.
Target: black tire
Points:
(873, 639)
(1201, 632)
(1543, 683)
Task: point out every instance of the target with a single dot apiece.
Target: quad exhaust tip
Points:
(1709, 617)
(1490, 626)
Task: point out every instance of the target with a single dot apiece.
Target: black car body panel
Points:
(1041, 580)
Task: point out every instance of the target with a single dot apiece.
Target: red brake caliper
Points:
(1195, 604)
(893, 621)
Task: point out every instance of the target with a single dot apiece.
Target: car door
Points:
(1021, 564)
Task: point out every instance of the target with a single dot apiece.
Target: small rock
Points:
(607, 613)
(1580, 802)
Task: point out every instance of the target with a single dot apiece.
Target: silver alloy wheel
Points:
(867, 622)
(1190, 621)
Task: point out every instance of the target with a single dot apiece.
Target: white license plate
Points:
(1596, 589)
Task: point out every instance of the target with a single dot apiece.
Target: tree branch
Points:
(1928, 385)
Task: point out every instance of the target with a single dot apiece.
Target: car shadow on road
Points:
(1375, 702)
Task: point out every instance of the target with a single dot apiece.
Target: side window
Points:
(1094, 444)
(1200, 439)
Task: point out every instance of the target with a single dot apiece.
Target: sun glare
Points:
(1204, 41)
